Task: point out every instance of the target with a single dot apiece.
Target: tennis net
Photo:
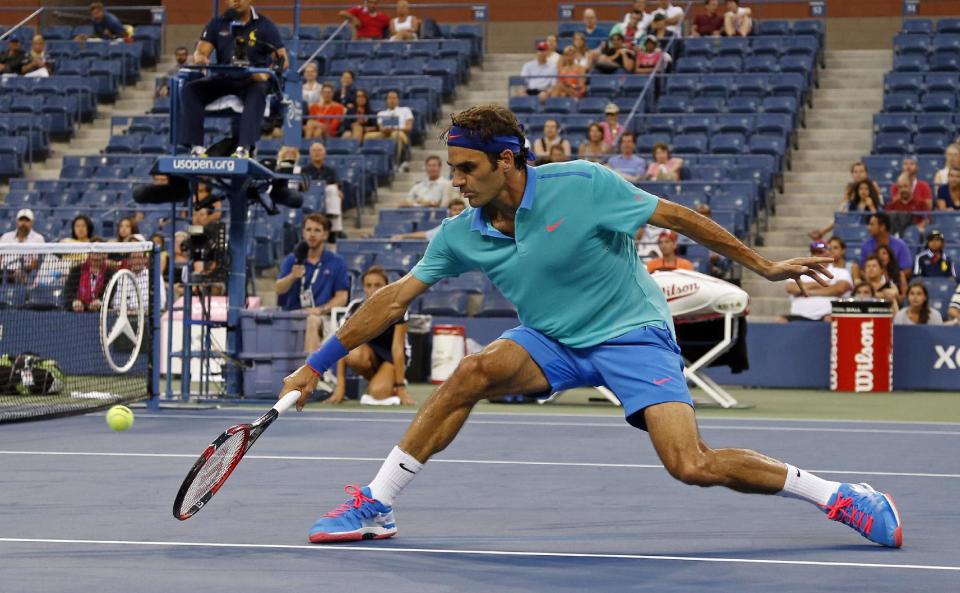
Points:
(76, 327)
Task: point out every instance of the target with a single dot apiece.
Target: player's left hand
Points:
(814, 267)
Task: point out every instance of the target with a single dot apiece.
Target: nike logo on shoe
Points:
(553, 227)
(661, 381)
(406, 469)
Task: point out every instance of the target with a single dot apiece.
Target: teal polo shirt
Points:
(572, 271)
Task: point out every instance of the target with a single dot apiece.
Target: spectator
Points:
(951, 159)
(36, 65)
(812, 301)
(858, 173)
(883, 288)
(879, 229)
(360, 117)
(629, 165)
(367, 23)
(710, 23)
(182, 57)
(919, 190)
(663, 168)
(863, 292)
(659, 30)
(126, 228)
(668, 260)
(138, 263)
(903, 199)
(557, 155)
(838, 250)
(81, 230)
(719, 265)
(638, 7)
(551, 137)
(953, 313)
(315, 285)
(434, 191)
(611, 124)
(539, 74)
(105, 25)
(13, 60)
(650, 55)
(329, 112)
(582, 56)
(594, 148)
(310, 88)
(346, 93)
(893, 271)
(672, 15)
(737, 20)
(918, 311)
(404, 26)
(85, 283)
(864, 198)
(17, 268)
(571, 77)
(614, 56)
(395, 123)
(948, 196)
(553, 54)
(454, 208)
(630, 29)
(592, 30)
(932, 262)
(318, 173)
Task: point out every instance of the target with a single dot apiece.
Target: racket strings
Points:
(213, 471)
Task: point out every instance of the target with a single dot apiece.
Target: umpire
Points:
(238, 35)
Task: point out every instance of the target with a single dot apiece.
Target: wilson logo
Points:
(677, 291)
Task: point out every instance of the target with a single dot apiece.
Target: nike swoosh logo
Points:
(661, 381)
(406, 469)
(553, 227)
(454, 136)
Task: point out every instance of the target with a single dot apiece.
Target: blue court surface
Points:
(519, 502)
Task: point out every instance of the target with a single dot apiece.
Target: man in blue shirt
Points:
(879, 229)
(105, 24)
(628, 164)
(241, 33)
(313, 279)
(557, 241)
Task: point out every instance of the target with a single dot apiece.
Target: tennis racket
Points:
(219, 459)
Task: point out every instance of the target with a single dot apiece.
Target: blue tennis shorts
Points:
(642, 367)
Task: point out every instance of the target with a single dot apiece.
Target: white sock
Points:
(397, 471)
(806, 486)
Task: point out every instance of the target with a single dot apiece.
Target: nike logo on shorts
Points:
(661, 381)
(553, 227)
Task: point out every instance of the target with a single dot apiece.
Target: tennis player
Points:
(557, 241)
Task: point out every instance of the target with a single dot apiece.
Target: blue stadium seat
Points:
(727, 143)
(900, 102)
(751, 85)
(155, 144)
(470, 282)
(645, 142)
(950, 26)
(603, 86)
(761, 64)
(693, 65)
(452, 303)
(342, 146)
(586, 105)
(524, 104)
(780, 105)
(806, 45)
(743, 105)
(777, 124)
(729, 46)
(717, 86)
(789, 84)
(682, 85)
(797, 63)
(699, 47)
(695, 124)
(664, 124)
(946, 43)
(935, 123)
(887, 123)
(126, 144)
(707, 105)
(735, 124)
(892, 143)
(909, 64)
(903, 82)
(560, 105)
(931, 143)
(496, 305)
(908, 44)
(409, 66)
(633, 84)
(690, 144)
(395, 261)
(922, 26)
(766, 46)
(773, 27)
(808, 27)
(942, 82)
(576, 125)
(768, 145)
(672, 104)
(945, 62)
(936, 102)
(725, 65)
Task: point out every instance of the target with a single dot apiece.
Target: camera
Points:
(208, 244)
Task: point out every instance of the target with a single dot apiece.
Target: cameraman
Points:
(240, 36)
(313, 280)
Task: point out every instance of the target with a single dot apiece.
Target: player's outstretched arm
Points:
(384, 308)
(713, 236)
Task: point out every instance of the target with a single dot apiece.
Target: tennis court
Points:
(563, 498)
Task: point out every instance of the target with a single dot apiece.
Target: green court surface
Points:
(904, 406)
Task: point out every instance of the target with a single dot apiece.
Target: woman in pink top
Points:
(663, 168)
(611, 127)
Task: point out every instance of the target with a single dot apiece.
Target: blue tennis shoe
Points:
(362, 517)
(871, 513)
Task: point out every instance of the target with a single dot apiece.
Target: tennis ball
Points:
(119, 418)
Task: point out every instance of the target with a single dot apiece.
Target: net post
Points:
(156, 288)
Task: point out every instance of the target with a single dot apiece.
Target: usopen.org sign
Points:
(203, 165)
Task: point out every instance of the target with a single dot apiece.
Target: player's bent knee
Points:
(471, 379)
(693, 470)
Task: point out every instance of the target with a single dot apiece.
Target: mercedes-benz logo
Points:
(122, 297)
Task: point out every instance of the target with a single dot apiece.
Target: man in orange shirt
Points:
(329, 112)
(668, 260)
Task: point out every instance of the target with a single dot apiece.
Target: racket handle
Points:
(286, 401)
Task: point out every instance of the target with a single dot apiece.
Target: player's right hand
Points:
(303, 380)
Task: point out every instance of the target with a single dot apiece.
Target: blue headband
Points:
(464, 138)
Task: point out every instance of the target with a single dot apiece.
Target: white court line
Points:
(396, 550)
(455, 461)
(619, 424)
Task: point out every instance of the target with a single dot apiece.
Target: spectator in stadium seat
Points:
(395, 123)
(316, 172)
(37, 65)
(382, 360)
(139, 265)
(883, 288)
(551, 137)
(346, 93)
(948, 196)
(433, 192)
(737, 20)
(953, 313)
(85, 283)
(329, 112)
(650, 55)
(838, 250)
(182, 57)
(367, 23)
(539, 74)
(360, 117)
(709, 23)
(571, 78)
(126, 228)
(660, 31)
(863, 292)
(404, 26)
(892, 269)
(315, 285)
(630, 30)
(663, 168)
(668, 260)
(813, 302)
(919, 189)
(582, 56)
(105, 25)
(553, 54)
(614, 56)
(17, 268)
(904, 200)
(672, 15)
(454, 208)
(310, 94)
(858, 173)
(951, 159)
(14, 58)
(629, 165)
(879, 229)
(594, 148)
(918, 310)
(638, 7)
(932, 262)
(592, 30)
(611, 124)
(81, 229)
(557, 155)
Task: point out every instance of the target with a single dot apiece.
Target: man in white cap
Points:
(19, 267)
